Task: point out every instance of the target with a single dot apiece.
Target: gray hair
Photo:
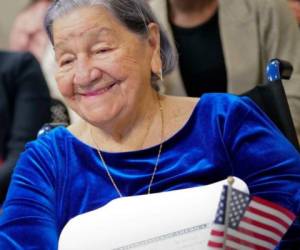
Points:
(133, 14)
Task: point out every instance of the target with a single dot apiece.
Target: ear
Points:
(154, 42)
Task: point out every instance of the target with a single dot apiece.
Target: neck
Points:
(190, 13)
(130, 131)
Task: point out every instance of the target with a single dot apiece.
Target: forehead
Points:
(87, 22)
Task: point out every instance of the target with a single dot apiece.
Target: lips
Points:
(98, 91)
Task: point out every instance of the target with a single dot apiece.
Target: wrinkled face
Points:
(104, 69)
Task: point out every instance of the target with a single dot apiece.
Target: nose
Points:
(85, 72)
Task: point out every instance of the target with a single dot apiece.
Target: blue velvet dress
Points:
(59, 177)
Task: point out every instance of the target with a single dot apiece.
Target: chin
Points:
(100, 116)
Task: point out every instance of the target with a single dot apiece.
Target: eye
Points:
(67, 60)
(102, 50)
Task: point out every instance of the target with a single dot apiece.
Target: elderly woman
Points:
(132, 140)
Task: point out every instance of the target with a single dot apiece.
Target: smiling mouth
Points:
(98, 91)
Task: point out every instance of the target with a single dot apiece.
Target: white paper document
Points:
(175, 220)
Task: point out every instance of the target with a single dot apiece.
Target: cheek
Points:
(132, 69)
(129, 61)
(119, 65)
(65, 84)
(139, 64)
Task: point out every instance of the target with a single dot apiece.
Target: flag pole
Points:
(230, 181)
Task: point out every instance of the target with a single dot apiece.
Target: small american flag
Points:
(252, 222)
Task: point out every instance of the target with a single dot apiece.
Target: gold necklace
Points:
(157, 158)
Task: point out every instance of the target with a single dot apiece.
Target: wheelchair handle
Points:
(278, 69)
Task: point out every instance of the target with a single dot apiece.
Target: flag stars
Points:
(220, 219)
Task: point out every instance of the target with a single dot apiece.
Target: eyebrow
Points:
(93, 32)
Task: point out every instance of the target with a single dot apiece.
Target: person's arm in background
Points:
(295, 7)
(280, 38)
(28, 33)
(31, 109)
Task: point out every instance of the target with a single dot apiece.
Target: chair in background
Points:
(59, 112)
(271, 98)
(59, 116)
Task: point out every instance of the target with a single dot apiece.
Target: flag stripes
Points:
(271, 217)
(274, 208)
(242, 238)
(258, 235)
(259, 230)
(259, 224)
(252, 243)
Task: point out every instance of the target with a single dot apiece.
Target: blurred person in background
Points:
(24, 108)
(224, 45)
(28, 34)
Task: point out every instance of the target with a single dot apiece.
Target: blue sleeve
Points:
(28, 219)
(265, 160)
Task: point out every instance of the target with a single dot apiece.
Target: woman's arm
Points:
(265, 160)
(28, 219)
